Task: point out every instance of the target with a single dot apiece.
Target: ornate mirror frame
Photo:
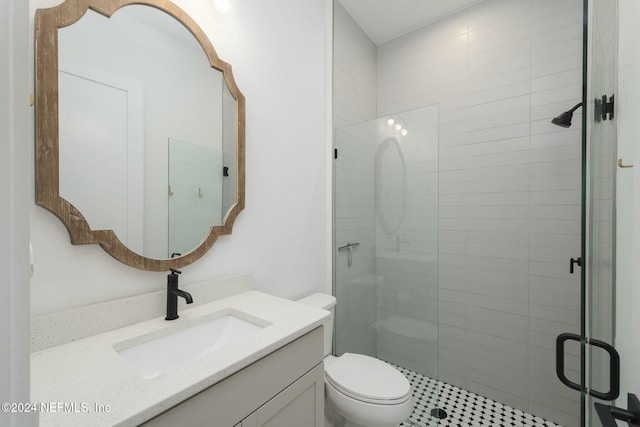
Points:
(47, 195)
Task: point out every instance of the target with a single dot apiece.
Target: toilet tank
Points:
(325, 302)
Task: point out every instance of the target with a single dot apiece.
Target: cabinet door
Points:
(301, 404)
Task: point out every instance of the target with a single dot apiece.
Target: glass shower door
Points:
(386, 241)
(600, 170)
(600, 363)
(354, 239)
(599, 382)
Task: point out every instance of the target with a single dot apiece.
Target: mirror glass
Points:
(147, 130)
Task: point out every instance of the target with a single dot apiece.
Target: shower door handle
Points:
(614, 366)
(560, 340)
(614, 371)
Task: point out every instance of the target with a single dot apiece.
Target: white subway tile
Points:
(510, 91)
(498, 238)
(555, 299)
(556, 153)
(489, 375)
(556, 65)
(498, 186)
(569, 93)
(551, 254)
(498, 199)
(557, 182)
(551, 51)
(505, 305)
(556, 167)
(500, 212)
(498, 290)
(553, 284)
(554, 241)
(496, 393)
(560, 315)
(500, 106)
(554, 197)
(507, 354)
(493, 120)
(498, 264)
(494, 224)
(459, 223)
(498, 277)
(504, 172)
(485, 54)
(553, 81)
(507, 132)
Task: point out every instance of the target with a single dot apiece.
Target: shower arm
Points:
(578, 105)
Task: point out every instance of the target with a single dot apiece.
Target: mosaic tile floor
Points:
(462, 407)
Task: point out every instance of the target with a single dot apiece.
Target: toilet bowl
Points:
(362, 390)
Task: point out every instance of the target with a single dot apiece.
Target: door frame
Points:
(17, 195)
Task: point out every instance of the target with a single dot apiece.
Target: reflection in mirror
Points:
(391, 186)
(105, 64)
(195, 196)
(230, 151)
(130, 81)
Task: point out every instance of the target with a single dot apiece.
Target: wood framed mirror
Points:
(140, 137)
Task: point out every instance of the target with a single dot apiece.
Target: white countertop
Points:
(79, 377)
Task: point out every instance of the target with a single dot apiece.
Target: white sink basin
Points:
(156, 352)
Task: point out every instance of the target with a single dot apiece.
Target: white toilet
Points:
(363, 390)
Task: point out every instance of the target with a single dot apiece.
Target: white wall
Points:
(509, 197)
(15, 187)
(279, 64)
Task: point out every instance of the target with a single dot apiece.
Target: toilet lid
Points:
(366, 378)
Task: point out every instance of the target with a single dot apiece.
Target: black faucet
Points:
(173, 293)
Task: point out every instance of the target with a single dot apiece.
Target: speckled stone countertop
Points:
(89, 384)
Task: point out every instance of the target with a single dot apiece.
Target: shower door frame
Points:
(591, 307)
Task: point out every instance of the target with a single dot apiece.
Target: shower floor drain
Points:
(439, 413)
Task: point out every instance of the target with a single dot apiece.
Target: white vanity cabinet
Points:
(300, 404)
(284, 388)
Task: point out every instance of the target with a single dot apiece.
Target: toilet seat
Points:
(367, 379)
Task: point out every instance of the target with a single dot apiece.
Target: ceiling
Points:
(384, 20)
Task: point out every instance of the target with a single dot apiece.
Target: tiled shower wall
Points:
(407, 240)
(509, 192)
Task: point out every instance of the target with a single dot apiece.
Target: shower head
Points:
(564, 119)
